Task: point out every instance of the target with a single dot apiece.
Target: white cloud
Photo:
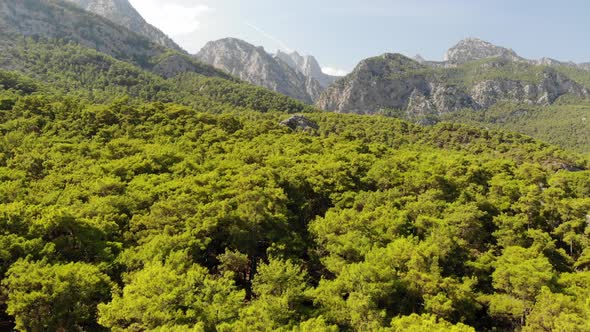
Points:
(334, 71)
(174, 19)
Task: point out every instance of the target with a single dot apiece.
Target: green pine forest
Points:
(133, 202)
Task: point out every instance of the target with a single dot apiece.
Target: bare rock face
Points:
(299, 122)
(472, 49)
(308, 66)
(57, 19)
(552, 86)
(369, 88)
(53, 19)
(393, 81)
(253, 64)
(122, 12)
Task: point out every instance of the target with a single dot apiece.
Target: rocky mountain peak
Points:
(122, 13)
(386, 64)
(394, 81)
(253, 64)
(306, 65)
(472, 49)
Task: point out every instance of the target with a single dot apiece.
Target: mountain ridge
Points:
(308, 66)
(395, 81)
(123, 13)
(63, 20)
(253, 64)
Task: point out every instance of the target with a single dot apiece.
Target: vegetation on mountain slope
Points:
(133, 214)
(87, 74)
(60, 20)
(137, 194)
(123, 13)
(564, 124)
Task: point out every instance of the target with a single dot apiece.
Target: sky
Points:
(340, 33)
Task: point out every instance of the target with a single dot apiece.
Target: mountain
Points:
(60, 20)
(139, 194)
(54, 19)
(472, 49)
(390, 81)
(253, 64)
(308, 66)
(123, 13)
(393, 81)
(479, 84)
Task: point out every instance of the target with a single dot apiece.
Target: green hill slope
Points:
(475, 92)
(565, 124)
(74, 69)
(134, 200)
(61, 20)
(145, 215)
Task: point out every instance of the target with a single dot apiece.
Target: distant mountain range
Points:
(475, 75)
(291, 74)
(301, 77)
(253, 64)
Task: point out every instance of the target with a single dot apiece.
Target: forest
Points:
(193, 211)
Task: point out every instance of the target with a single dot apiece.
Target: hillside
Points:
(141, 190)
(233, 222)
(57, 19)
(566, 123)
(468, 88)
(85, 73)
(253, 64)
(123, 13)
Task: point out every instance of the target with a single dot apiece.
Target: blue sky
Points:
(340, 33)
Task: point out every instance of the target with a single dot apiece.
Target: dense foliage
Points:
(134, 200)
(69, 68)
(566, 124)
(134, 214)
